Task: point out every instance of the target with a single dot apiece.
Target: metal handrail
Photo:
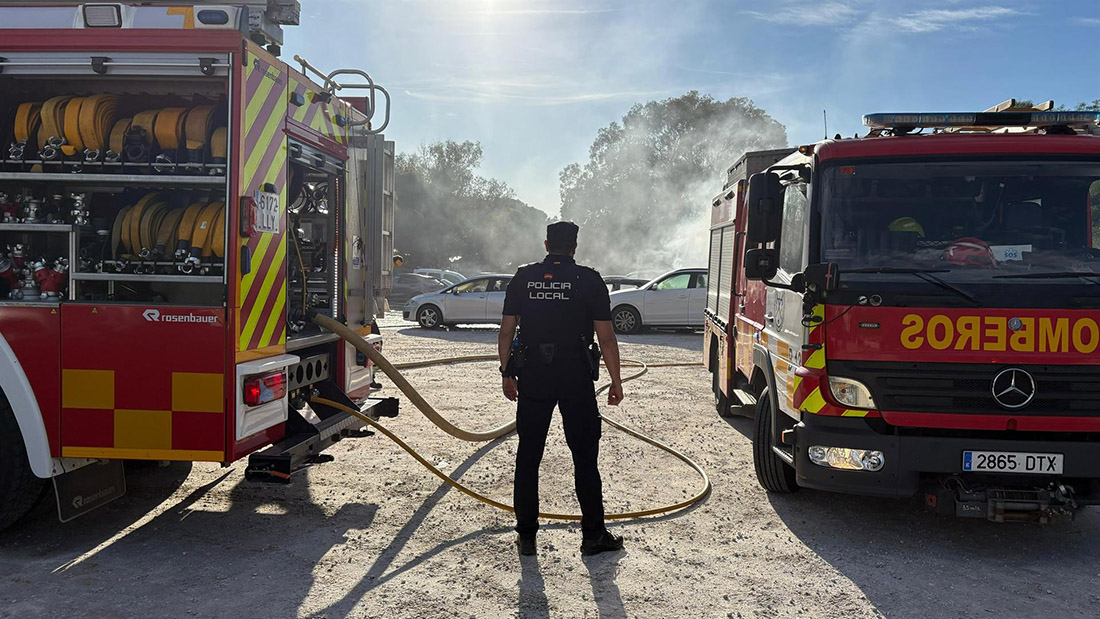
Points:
(369, 85)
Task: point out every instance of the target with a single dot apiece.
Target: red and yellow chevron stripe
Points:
(806, 388)
(261, 319)
(315, 113)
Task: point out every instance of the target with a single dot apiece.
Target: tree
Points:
(450, 217)
(642, 199)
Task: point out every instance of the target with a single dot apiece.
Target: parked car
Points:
(476, 300)
(446, 275)
(675, 299)
(408, 285)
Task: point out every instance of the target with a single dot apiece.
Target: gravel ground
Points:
(372, 534)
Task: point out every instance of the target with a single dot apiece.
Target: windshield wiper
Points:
(926, 275)
(1085, 275)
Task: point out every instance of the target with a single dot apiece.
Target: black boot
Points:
(526, 545)
(606, 542)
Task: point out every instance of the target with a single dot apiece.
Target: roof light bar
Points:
(982, 119)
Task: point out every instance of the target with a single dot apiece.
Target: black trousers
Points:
(581, 417)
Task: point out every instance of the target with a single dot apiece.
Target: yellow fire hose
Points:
(424, 407)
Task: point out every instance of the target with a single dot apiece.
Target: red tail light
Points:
(264, 388)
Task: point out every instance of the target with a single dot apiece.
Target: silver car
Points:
(675, 299)
(477, 300)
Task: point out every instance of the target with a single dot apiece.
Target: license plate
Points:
(266, 214)
(1012, 462)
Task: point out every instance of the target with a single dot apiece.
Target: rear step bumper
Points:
(306, 440)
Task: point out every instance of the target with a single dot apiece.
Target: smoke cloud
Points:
(643, 197)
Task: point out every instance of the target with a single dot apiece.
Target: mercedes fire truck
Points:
(916, 312)
(175, 201)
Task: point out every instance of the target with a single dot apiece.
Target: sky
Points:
(534, 80)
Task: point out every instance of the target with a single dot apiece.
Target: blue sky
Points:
(533, 80)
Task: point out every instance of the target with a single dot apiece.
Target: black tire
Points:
(19, 488)
(626, 319)
(721, 400)
(429, 317)
(773, 473)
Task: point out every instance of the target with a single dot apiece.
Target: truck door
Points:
(783, 310)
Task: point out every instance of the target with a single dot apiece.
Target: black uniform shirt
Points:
(557, 300)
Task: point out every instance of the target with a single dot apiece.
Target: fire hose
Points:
(424, 407)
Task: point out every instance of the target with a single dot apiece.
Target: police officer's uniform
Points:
(556, 301)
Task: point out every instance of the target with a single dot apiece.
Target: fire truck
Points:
(914, 312)
(175, 201)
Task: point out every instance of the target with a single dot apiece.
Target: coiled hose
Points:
(424, 407)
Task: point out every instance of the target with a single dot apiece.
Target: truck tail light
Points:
(264, 388)
(247, 215)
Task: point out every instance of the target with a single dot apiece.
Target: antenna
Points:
(825, 118)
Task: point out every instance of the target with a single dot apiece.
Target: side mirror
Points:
(822, 277)
(761, 264)
(454, 290)
(765, 208)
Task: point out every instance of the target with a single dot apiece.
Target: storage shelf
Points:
(66, 228)
(129, 180)
(135, 277)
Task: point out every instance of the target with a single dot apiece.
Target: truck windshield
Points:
(969, 221)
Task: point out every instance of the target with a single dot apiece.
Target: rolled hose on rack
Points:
(424, 407)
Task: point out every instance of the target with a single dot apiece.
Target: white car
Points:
(675, 299)
(476, 300)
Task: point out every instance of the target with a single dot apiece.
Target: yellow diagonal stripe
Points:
(816, 360)
(265, 292)
(813, 402)
(257, 260)
(271, 133)
(276, 310)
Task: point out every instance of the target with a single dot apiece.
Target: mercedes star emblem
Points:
(1013, 388)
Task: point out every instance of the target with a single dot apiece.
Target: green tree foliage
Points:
(642, 199)
(451, 217)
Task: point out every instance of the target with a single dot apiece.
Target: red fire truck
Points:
(915, 311)
(174, 201)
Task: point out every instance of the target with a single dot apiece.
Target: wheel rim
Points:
(428, 318)
(624, 321)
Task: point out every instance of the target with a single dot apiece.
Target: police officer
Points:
(557, 305)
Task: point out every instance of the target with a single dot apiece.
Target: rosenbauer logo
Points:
(1001, 334)
(154, 315)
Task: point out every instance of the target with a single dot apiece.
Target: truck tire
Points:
(773, 473)
(19, 488)
(721, 400)
(626, 319)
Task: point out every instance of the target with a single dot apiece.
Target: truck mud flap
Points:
(89, 487)
(311, 433)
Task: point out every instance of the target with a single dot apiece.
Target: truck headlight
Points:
(851, 392)
(846, 458)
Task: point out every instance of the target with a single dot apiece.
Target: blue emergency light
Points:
(1023, 118)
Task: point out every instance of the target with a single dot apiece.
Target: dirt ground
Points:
(372, 534)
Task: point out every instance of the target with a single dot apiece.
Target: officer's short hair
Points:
(562, 235)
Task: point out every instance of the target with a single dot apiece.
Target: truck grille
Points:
(958, 387)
